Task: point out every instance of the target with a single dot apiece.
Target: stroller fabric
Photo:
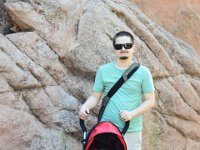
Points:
(105, 136)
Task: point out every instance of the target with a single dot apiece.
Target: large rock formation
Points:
(180, 17)
(47, 68)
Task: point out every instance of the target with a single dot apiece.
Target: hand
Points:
(83, 113)
(125, 115)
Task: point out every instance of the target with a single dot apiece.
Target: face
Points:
(124, 48)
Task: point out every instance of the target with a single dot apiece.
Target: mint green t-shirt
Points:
(128, 97)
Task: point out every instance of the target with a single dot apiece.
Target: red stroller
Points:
(104, 136)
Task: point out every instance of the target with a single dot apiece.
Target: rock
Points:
(187, 92)
(177, 17)
(23, 131)
(48, 67)
(14, 100)
(5, 23)
(188, 129)
(4, 86)
(172, 103)
(16, 77)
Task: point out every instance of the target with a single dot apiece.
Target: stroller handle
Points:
(84, 130)
(82, 124)
(126, 126)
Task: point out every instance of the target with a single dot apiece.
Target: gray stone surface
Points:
(48, 65)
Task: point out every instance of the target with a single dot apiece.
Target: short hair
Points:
(123, 33)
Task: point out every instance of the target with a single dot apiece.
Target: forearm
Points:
(144, 107)
(91, 102)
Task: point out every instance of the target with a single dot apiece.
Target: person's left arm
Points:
(149, 102)
(148, 96)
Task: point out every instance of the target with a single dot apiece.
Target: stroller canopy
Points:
(105, 136)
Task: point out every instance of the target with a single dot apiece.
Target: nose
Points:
(123, 48)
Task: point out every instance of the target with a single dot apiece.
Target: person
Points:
(135, 96)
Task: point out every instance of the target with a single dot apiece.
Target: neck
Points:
(123, 64)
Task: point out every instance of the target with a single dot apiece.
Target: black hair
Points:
(123, 33)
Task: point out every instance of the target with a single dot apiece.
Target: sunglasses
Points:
(120, 46)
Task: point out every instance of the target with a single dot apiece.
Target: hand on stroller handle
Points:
(83, 113)
(84, 129)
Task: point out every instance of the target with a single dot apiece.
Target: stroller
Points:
(105, 135)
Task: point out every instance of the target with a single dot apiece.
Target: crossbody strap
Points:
(128, 73)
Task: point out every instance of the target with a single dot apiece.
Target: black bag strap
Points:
(128, 73)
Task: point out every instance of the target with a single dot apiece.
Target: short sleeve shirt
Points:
(128, 97)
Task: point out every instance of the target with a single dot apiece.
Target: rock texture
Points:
(47, 69)
(180, 17)
(5, 23)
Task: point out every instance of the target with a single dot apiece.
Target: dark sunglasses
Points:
(120, 46)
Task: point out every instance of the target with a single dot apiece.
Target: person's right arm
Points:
(90, 103)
